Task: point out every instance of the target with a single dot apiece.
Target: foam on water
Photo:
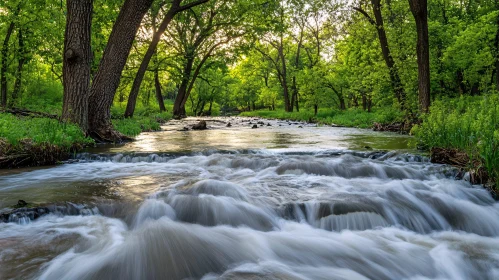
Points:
(262, 215)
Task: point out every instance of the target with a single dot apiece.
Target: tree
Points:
(174, 9)
(200, 35)
(107, 78)
(378, 23)
(3, 64)
(77, 59)
(420, 12)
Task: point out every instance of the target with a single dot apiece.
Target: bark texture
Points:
(76, 63)
(3, 67)
(107, 78)
(419, 9)
(159, 95)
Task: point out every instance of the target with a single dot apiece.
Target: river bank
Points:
(462, 132)
(38, 141)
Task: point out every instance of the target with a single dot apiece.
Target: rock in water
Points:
(229, 125)
(200, 126)
(21, 203)
(254, 126)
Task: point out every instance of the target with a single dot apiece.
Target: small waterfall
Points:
(253, 215)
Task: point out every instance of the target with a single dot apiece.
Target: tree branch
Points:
(365, 14)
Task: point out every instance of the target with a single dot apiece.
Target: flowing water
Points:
(284, 201)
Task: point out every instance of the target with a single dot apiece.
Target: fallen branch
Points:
(28, 113)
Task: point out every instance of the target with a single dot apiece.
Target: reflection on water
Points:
(279, 135)
(276, 202)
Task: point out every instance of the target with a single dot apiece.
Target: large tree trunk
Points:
(419, 10)
(179, 105)
(21, 60)
(159, 95)
(175, 8)
(107, 79)
(385, 49)
(76, 62)
(3, 67)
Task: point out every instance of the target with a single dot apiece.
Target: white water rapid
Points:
(259, 214)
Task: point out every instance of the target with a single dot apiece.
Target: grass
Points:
(348, 118)
(144, 119)
(468, 124)
(28, 141)
(39, 131)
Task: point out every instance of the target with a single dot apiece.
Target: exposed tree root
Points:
(478, 174)
(108, 135)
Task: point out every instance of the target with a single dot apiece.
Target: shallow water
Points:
(277, 202)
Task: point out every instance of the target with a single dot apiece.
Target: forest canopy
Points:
(208, 57)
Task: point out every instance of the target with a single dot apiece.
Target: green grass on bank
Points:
(16, 131)
(349, 118)
(144, 119)
(40, 131)
(469, 124)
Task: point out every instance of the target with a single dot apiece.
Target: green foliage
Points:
(41, 131)
(145, 119)
(469, 124)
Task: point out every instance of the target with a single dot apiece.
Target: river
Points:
(286, 200)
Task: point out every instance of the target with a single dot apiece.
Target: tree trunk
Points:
(342, 99)
(107, 79)
(175, 8)
(134, 93)
(364, 102)
(202, 108)
(179, 105)
(294, 95)
(419, 10)
(316, 108)
(385, 49)
(76, 62)
(211, 106)
(159, 95)
(3, 67)
(21, 60)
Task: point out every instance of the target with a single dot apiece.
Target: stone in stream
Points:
(229, 124)
(201, 125)
(254, 126)
(24, 212)
(268, 124)
(21, 203)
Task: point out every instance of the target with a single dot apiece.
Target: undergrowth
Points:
(468, 124)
